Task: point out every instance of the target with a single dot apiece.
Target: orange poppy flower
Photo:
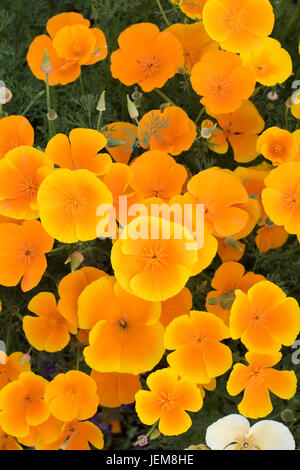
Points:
(62, 71)
(223, 81)
(11, 367)
(126, 336)
(146, 56)
(257, 380)
(49, 330)
(157, 174)
(80, 44)
(116, 389)
(22, 404)
(227, 278)
(176, 306)
(70, 288)
(21, 173)
(15, 131)
(270, 63)
(281, 197)
(77, 435)
(240, 128)
(194, 41)
(124, 132)
(192, 8)
(199, 353)
(22, 254)
(167, 401)
(264, 318)
(220, 191)
(277, 145)
(238, 26)
(154, 268)
(227, 252)
(62, 28)
(72, 396)
(270, 238)
(68, 202)
(170, 130)
(80, 150)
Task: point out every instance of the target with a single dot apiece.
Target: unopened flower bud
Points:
(46, 63)
(154, 435)
(101, 103)
(206, 132)
(75, 259)
(51, 115)
(289, 102)
(5, 95)
(287, 415)
(232, 242)
(272, 96)
(132, 109)
(25, 359)
(268, 222)
(213, 301)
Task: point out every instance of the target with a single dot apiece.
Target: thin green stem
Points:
(99, 120)
(20, 317)
(32, 102)
(48, 99)
(200, 114)
(0, 110)
(57, 250)
(8, 340)
(287, 117)
(163, 12)
(164, 96)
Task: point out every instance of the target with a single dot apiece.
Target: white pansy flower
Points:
(235, 433)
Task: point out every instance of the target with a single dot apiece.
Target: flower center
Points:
(27, 253)
(277, 149)
(153, 257)
(149, 65)
(291, 201)
(243, 443)
(156, 188)
(235, 20)
(123, 324)
(29, 187)
(74, 207)
(167, 400)
(257, 317)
